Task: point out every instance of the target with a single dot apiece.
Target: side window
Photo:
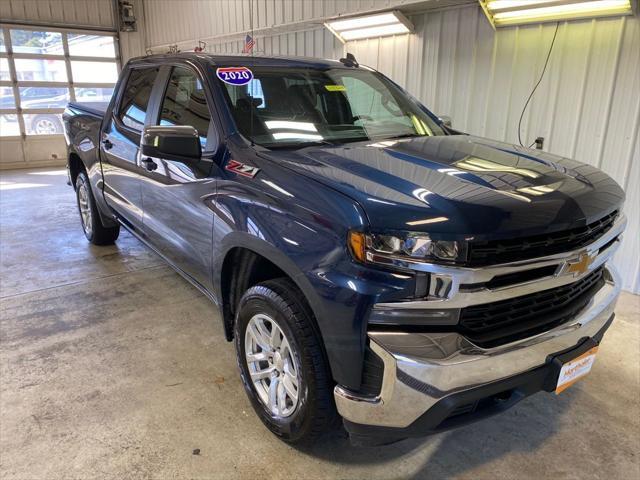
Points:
(185, 103)
(133, 106)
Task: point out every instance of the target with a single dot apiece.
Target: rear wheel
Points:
(282, 362)
(93, 229)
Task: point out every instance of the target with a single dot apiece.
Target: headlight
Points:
(408, 248)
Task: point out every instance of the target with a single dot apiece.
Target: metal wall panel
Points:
(195, 20)
(185, 22)
(67, 13)
(587, 106)
(310, 43)
(132, 44)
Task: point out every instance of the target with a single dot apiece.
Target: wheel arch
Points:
(244, 261)
(75, 167)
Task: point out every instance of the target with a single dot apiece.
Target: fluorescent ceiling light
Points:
(362, 22)
(370, 26)
(516, 12)
(381, 31)
(306, 126)
(296, 136)
(502, 4)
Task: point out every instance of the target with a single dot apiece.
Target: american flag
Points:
(248, 44)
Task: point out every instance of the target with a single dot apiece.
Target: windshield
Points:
(282, 107)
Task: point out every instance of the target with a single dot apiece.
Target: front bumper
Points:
(425, 372)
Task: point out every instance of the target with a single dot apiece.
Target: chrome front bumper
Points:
(420, 369)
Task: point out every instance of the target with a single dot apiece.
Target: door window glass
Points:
(185, 103)
(133, 107)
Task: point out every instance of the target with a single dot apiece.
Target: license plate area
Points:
(575, 369)
(562, 374)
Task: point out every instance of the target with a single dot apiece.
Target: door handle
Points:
(149, 164)
(107, 144)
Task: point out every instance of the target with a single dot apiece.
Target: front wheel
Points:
(93, 229)
(282, 362)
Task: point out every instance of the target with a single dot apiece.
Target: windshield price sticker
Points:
(234, 75)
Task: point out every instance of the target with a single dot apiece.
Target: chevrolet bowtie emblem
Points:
(580, 265)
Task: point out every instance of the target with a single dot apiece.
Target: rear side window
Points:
(185, 103)
(133, 106)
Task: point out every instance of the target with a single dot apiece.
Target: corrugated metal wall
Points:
(79, 13)
(587, 106)
(185, 22)
(318, 42)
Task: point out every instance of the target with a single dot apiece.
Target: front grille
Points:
(497, 323)
(503, 251)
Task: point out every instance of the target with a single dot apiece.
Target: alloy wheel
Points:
(85, 208)
(272, 365)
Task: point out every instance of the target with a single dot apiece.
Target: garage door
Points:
(41, 70)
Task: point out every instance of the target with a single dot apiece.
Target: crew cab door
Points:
(178, 196)
(120, 142)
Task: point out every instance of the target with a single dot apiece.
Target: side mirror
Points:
(446, 120)
(180, 143)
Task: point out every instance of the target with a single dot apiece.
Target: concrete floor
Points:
(112, 366)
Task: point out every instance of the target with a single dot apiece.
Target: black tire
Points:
(95, 232)
(315, 413)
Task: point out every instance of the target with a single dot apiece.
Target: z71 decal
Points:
(242, 169)
(234, 75)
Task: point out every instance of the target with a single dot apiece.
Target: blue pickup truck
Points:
(370, 263)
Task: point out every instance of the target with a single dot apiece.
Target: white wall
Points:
(219, 21)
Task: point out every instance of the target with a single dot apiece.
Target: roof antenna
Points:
(350, 61)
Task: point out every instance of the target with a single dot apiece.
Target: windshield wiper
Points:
(311, 143)
(405, 135)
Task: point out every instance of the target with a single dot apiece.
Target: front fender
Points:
(301, 226)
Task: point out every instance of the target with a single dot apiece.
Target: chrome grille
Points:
(497, 323)
(494, 252)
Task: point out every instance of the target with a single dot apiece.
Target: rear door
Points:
(177, 196)
(120, 144)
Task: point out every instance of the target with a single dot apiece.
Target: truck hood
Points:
(452, 186)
